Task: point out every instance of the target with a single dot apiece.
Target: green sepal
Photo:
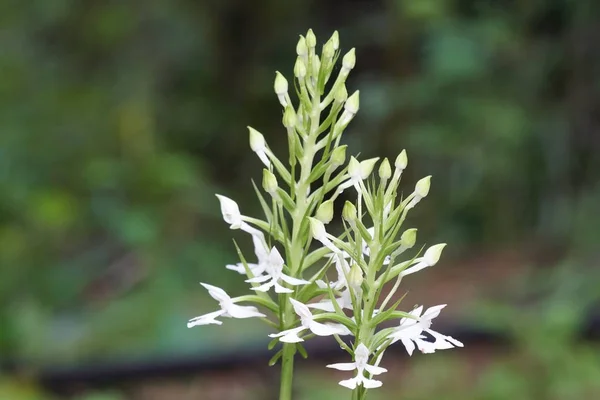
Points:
(275, 358)
(273, 343)
(301, 350)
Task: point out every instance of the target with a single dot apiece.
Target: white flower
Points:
(273, 268)
(429, 259)
(262, 254)
(259, 146)
(410, 332)
(307, 322)
(228, 309)
(231, 215)
(360, 364)
(317, 229)
(343, 269)
(344, 301)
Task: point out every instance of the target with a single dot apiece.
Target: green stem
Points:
(287, 371)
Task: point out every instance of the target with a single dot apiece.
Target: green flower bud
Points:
(301, 48)
(353, 103)
(269, 182)
(366, 167)
(257, 140)
(354, 168)
(355, 277)
(408, 238)
(289, 117)
(299, 69)
(338, 156)
(385, 170)
(317, 229)
(281, 84)
(328, 50)
(401, 161)
(316, 64)
(341, 94)
(311, 39)
(349, 212)
(422, 186)
(335, 40)
(349, 60)
(325, 212)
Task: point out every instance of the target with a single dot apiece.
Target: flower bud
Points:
(432, 255)
(355, 277)
(281, 88)
(301, 48)
(349, 60)
(353, 102)
(341, 94)
(385, 170)
(408, 238)
(317, 229)
(354, 167)
(338, 156)
(335, 40)
(422, 186)
(349, 212)
(316, 65)
(299, 68)
(311, 39)
(366, 167)
(257, 140)
(289, 117)
(328, 50)
(401, 161)
(325, 212)
(269, 182)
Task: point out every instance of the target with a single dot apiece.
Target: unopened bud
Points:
(349, 60)
(341, 94)
(328, 50)
(433, 254)
(385, 170)
(349, 212)
(408, 238)
(257, 140)
(338, 156)
(422, 186)
(299, 68)
(317, 229)
(354, 168)
(325, 212)
(366, 167)
(355, 277)
(316, 65)
(353, 103)
(281, 84)
(301, 48)
(289, 117)
(311, 39)
(335, 40)
(401, 161)
(269, 182)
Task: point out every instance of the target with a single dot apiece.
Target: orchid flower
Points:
(429, 259)
(262, 254)
(307, 322)
(273, 268)
(410, 332)
(228, 309)
(360, 364)
(231, 215)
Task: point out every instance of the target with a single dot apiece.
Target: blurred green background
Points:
(119, 120)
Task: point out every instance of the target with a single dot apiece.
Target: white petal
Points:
(264, 287)
(206, 319)
(263, 157)
(416, 268)
(290, 335)
(372, 369)
(433, 312)
(321, 284)
(320, 329)
(275, 259)
(343, 366)
(216, 292)
(248, 229)
(293, 281)
(301, 309)
(281, 289)
(236, 311)
(259, 279)
(349, 383)
(239, 267)
(230, 211)
(325, 305)
(409, 345)
(371, 383)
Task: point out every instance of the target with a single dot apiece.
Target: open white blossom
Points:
(262, 254)
(410, 332)
(228, 309)
(430, 258)
(273, 275)
(360, 364)
(343, 269)
(307, 322)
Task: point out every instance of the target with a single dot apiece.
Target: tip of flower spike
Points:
(422, 186)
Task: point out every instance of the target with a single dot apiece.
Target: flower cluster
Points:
(294, 248)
